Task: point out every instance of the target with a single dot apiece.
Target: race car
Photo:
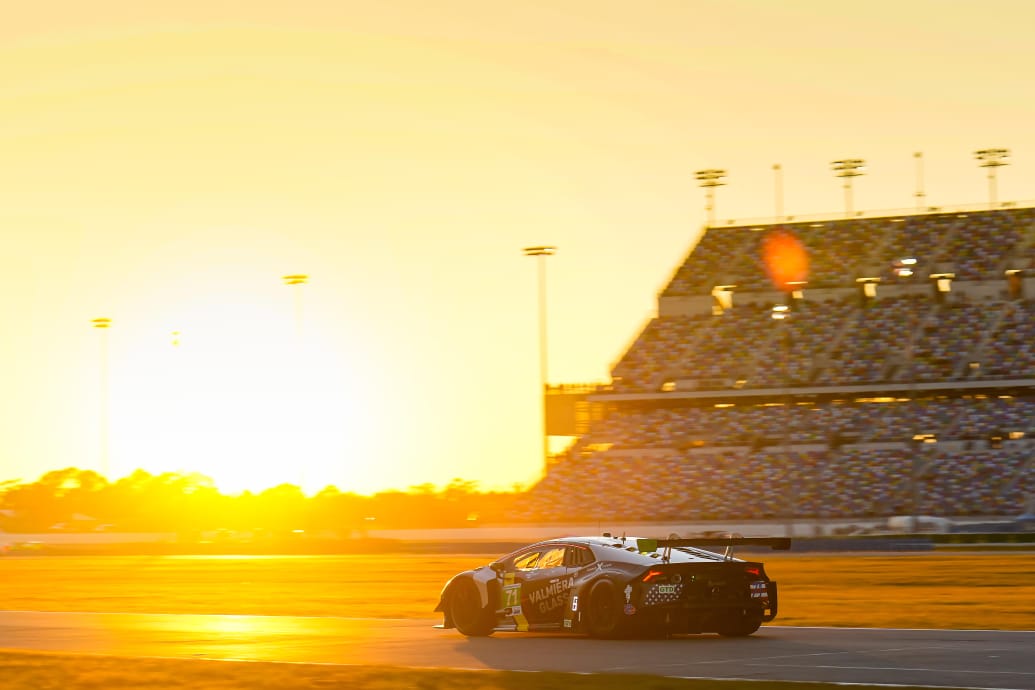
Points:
(610, 586)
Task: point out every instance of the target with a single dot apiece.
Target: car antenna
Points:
(666, 555)
(729, 549)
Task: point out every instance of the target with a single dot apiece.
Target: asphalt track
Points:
(949, 658)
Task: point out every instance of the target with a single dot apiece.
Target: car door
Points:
(517, 572)
(544, 586)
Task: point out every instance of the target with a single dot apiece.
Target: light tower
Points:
(848, 168)
(992, 159)
(102, 325)
(541, 253)
(710, 179)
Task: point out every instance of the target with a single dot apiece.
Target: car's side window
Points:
(579, 556)
(527, 561)
(552, 558)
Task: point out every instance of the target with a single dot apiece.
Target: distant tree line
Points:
(190, 504)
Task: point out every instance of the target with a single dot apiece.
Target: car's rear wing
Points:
(775, 543)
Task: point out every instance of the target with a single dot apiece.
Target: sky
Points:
(165, 164)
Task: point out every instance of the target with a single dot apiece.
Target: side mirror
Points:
(497, 567)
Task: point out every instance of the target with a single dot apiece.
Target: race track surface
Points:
(953, 658)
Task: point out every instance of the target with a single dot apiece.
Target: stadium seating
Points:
(910, 398)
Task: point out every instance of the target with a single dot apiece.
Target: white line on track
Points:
(892, 668)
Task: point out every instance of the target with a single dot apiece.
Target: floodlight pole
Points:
(917, 459)
(781, 313)
(778, 189)
(905, 268)
(541, 253)
(848, 168)
(992, 159)
(102, 325)
(920, 196)
(710, 179)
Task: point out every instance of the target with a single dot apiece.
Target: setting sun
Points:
(244, 392)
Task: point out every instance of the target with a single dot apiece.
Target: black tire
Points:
(741, 624)
(604, 615)
(466, 610)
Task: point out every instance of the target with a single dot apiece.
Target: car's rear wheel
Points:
(741, 624)
(604, 610)
(467, 612)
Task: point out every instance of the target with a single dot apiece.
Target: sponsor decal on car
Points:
(551, 596)
(510, 601)
(663, 594)
(511, 595)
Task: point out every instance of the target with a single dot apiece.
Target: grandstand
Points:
(897, 377)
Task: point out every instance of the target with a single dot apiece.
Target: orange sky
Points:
(164, 167)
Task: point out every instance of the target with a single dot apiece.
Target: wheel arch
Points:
(578, 599)
(483, 579)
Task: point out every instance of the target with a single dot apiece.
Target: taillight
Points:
(652, 574)
(753, 570)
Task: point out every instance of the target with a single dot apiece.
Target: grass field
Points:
(953, 590)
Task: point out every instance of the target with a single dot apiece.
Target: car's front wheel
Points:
(603, 610)
(467, 612)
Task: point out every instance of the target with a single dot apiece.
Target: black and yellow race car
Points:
(615, 587)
